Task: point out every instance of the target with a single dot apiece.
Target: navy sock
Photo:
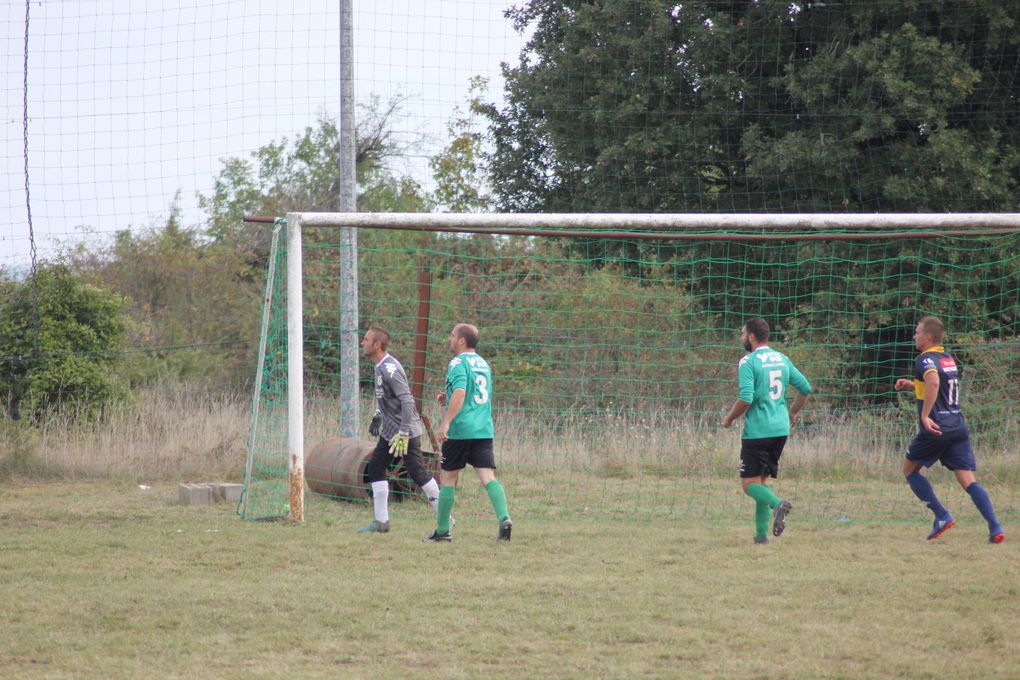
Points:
(984, 504)
(921, 487)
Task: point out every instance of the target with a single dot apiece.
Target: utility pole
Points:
(349, 341)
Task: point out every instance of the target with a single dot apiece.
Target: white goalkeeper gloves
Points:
(398, 445)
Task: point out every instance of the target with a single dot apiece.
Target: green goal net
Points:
(615, 359)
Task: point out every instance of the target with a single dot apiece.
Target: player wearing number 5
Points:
(764, 375)
(466, 431)
(942, 434)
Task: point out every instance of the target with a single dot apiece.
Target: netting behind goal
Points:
(614, 361)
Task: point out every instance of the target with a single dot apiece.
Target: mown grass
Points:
(104, 579)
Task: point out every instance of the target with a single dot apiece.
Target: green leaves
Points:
(647, 105)
(58, 343)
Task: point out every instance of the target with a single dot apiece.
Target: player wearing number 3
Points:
(466, 431)
(764, 375)
(942, 434)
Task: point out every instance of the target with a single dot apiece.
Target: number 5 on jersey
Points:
(775, 384)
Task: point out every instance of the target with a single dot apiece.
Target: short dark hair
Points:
(933, 326)
(382, 335)
(468, 332)
(759, 328)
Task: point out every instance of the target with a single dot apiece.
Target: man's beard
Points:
(747, 345)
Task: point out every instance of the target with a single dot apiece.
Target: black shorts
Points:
(460, 452)
(381, 461)
(760, 457)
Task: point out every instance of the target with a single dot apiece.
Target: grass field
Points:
(107, 580)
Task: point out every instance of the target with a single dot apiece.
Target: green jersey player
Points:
(467, 432)
(764, 376)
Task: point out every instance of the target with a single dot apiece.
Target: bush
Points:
(58, 340)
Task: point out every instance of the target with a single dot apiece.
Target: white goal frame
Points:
(658, 226)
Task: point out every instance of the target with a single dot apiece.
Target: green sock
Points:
(498, 499)
(446, 497)
(762, 514)
(763, 494)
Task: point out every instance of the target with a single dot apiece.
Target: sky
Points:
(131, 102)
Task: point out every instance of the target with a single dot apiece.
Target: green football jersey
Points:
(471, 373)
(764, 376)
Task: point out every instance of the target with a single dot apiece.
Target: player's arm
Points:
(738, 409)
(931, 393)
(804, 389)
(796, 406)
(456, 385)
(904, 384)
(452, 409)
(745, 378)
(402, 391)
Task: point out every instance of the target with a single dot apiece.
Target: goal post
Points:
(611, 332)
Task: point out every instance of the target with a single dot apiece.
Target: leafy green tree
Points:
(59, 341)
(760, 105)
(304, 175)
(193, 302)
(458, 170)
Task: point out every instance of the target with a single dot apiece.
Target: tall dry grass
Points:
(168, 432)
(173, 432)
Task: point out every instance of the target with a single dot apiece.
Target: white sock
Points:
(431, 490)
(380, 499)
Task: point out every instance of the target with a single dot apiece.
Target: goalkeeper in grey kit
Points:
(397, 425)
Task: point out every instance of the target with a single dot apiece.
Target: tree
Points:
(765, 105)
(59, 341)
(193, 301)
(304, 175)
(460, 180)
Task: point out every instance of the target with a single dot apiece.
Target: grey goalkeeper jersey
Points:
(396, 405)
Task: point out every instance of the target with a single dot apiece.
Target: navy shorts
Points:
(953, 452)
(460, 452)
(760, 457)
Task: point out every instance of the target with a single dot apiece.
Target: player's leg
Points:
(755, 468)
(415, 466)
(483, 459)
(450, 465)
(376, 469)
(762, 511)
(923, 453)
(960, 459)
(781, 511)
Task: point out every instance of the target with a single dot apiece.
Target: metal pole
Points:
(349, 341)
(421, 338)
(295, 371)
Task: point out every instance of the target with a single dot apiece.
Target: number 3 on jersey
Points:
(482, 395)
(775, 384)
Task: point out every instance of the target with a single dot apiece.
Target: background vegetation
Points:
(639, 105)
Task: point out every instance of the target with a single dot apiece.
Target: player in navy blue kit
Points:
(942, 434)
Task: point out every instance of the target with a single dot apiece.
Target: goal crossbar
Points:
(587, 223)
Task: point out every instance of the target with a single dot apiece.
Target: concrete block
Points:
(223, 492)
(195, 494)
